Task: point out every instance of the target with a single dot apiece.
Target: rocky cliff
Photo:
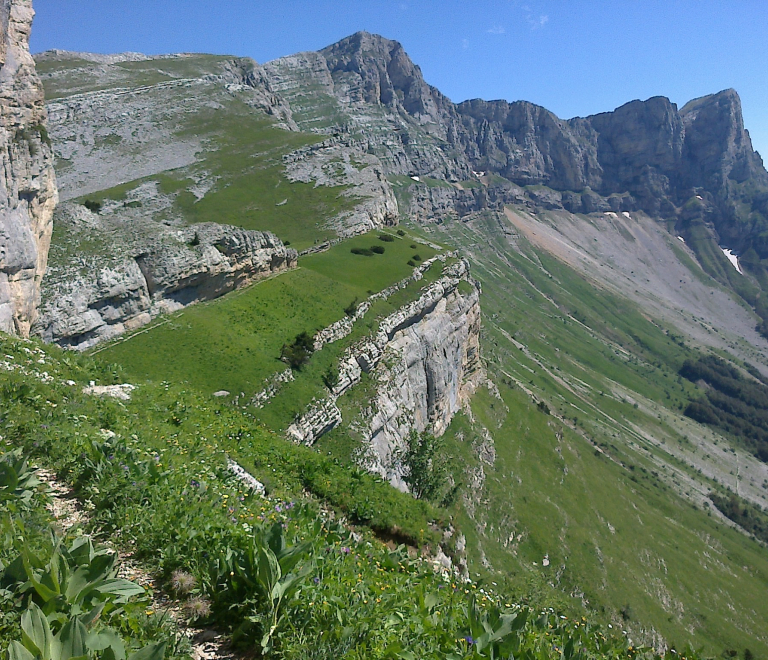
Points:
(650, 155)
(91, 297)
(27, 182)
(425, 360)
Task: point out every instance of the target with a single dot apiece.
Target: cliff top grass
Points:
(241, 162)
(234, 343)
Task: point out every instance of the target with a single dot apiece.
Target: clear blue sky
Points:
(575, 57)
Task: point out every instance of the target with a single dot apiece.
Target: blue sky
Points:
(575, 57)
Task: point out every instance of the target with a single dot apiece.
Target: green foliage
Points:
(267, 572)
(377, 249)
(298, 352)
(279, 577)
(17, 480)
(92, 205)
(77, 639)
(731, 403)
(387, 238)
(424, 465)
(365, 252)
(331, 376)
(743, 513)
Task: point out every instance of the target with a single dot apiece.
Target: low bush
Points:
(387, 238)
(377, 249)
(362, 251)
(297, 353)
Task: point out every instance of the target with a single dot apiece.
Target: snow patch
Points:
(611, 214)
(415, 178)
(681, 239)
(626, 215)
(732, 258)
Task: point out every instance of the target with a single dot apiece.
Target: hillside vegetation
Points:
(286, 576)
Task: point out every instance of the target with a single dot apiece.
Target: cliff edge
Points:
(28, 191)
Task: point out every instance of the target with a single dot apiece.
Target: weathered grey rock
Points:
(426, 360)
(645, 155)
(28, 192)
(93, 298)
(340, 161)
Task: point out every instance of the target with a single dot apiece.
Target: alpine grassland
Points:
(234, 343)
(284, 572)
(584, 472)
(595, 495)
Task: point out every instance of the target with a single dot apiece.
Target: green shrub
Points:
(363, 251)
(92, 205)
(387, 238)
(400, 232)
(416, 257)
(377, 249)
(298, 352)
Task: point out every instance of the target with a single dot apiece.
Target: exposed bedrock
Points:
(99, 300)
(28, 192)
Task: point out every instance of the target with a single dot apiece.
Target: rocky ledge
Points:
(426, 360)
(92, 300)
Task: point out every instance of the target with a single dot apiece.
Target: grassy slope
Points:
(616, 535)
(234, 343)
(150, 473)
(242, 152)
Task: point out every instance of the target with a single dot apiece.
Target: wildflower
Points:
(469, 640)
(182, 582)
(198, 608)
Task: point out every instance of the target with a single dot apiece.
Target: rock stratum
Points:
(90, 299)
(646, 155)
(425, 360)
(28, 191)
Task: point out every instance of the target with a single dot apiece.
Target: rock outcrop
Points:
(426, 360)
(28, 192)
(646, 155)
(93, 299)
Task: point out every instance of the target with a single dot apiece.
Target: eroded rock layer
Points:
(27, 182)
(93, 299)
(426, 360)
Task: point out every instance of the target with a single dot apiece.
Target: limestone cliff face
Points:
(96, 299)
(429, 371)
(425, 359)
(645, 155)
(27, 182)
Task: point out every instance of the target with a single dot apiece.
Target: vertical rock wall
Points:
(27, 182)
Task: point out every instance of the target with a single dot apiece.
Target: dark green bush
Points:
(92, 205)
(386, 238)
(378, 249)
(298, 352)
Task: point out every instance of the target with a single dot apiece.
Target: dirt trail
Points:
(206, 644)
